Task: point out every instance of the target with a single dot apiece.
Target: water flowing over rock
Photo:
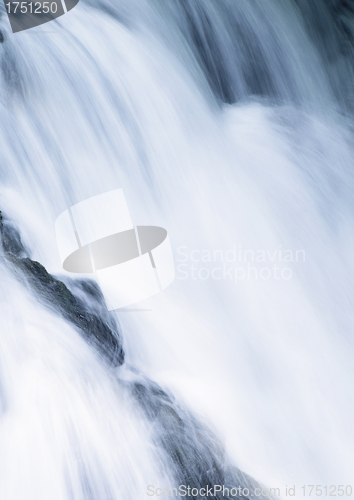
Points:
(230, 124)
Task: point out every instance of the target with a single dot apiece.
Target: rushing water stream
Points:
(229, 123)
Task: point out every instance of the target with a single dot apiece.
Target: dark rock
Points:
(196, 457)
(99, 331)
(11, 240)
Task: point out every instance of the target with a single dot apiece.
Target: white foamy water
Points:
(101, 104)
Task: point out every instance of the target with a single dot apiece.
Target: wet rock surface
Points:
(194, 454)
(90, 317)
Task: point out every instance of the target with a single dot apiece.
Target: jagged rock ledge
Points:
(96, 325)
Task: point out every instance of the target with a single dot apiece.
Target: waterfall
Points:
(229, 123)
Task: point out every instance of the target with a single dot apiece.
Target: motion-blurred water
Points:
(228, 123)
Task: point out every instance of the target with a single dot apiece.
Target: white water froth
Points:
(268, 364)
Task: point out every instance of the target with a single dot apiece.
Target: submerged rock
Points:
(90, 317)
(194, 454)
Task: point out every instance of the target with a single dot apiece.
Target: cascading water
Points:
(229, 123)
